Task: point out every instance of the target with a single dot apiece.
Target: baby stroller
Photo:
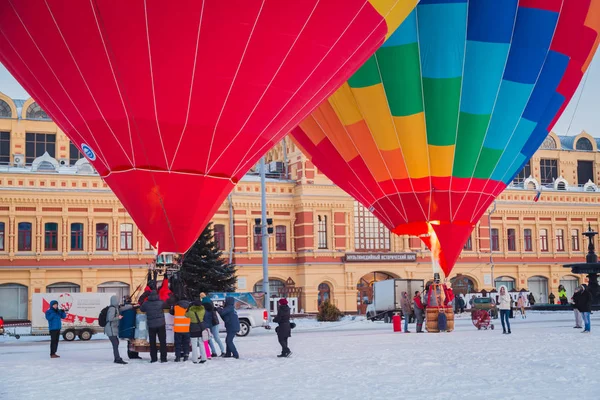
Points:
(481, 319)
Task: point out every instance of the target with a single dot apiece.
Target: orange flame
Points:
(434, 246)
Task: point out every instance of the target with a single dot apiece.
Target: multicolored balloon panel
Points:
(173, 102)
(437, 123)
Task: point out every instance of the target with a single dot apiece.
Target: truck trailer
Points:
(387, 296)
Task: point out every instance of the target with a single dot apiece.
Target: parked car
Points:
(487, 304)
(249, 307)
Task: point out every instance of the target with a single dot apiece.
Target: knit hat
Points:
(283, 302)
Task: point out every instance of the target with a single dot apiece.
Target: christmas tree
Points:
(204, 270)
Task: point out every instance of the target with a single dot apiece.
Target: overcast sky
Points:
(584, 116)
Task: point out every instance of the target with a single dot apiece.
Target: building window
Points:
(543, 239)
(5, 111)
(74, 154)
(511, 236)
(575, 239)
(1, 236)
(280, 238)
(257, 242)
(126, 236)
(585, 172)
(36, 144)
(34, 111)
(523, 174)
(548, 171)
(219, 236)
(24, 236)
(548, 144)
(77, 236)
(120, 289)
(560, 240)
(14, 301)
(101, 236)
(322, 231)
(51, 236)
(505, 281)
(527, 240)
(370, 234)
(63, 287)
(469, 244)
(584, 144)
(147, 245)
(275, 287)
(4, 147)
(324, 293)
(495, 240)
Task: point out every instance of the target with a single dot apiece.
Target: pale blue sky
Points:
(586, 116)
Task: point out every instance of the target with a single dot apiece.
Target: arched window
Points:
(462, 284)
(561, 186)
(63, 287)
(14, 301)
(548, 144)
(74, 154)
(584, 144)
(275, 286)
(120, 289)
(77, 236)
(101, 236)
(538, 286)
(50, 236)
(324, 293)
(24, 236)
(5, 111)
(34, 111)
(504, 281)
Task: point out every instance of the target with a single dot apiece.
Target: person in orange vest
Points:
(181, 329)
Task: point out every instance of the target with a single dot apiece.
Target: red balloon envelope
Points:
(173, 101)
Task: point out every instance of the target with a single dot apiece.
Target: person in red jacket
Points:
(419, 311)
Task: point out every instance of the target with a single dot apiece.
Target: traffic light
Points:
(270, 226)
(258, 226)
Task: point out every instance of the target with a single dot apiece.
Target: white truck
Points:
(249, 307)
(387, 296)
(82, 316)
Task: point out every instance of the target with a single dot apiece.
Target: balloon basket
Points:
(432, 319)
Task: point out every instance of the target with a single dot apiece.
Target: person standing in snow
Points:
(562, 295)
(54, 315)
(211, 321)
(531, 299)
(551, 298)
(504, 301)
(584, 305)
(406, 310)
(575, 300)
(284, 328)
(198, 331)
(181, 330)
(521, 305)
(232, 325)
(155, 316)
(111, 329)
(419, 311)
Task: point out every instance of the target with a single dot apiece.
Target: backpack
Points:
(102, 317)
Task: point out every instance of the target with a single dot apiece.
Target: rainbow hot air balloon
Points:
(173, 101)
(441, 118)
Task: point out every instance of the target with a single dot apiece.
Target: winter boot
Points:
(120, 362)
(214, 355)
(185, 358)
(177, 359)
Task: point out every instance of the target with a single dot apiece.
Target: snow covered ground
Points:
(544, 358)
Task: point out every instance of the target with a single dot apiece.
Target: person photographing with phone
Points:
(54, 315)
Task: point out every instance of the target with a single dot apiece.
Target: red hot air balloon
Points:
(443, 116)
(173, 101)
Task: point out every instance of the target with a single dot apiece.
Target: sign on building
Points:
(381, 257)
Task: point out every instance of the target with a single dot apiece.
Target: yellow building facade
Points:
(62, 229)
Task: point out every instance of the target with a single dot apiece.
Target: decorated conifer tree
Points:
(203, 268)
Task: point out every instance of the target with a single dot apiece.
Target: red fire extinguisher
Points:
(397, 322)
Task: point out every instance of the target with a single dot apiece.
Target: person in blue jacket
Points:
(232, 326)
(54, 315)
